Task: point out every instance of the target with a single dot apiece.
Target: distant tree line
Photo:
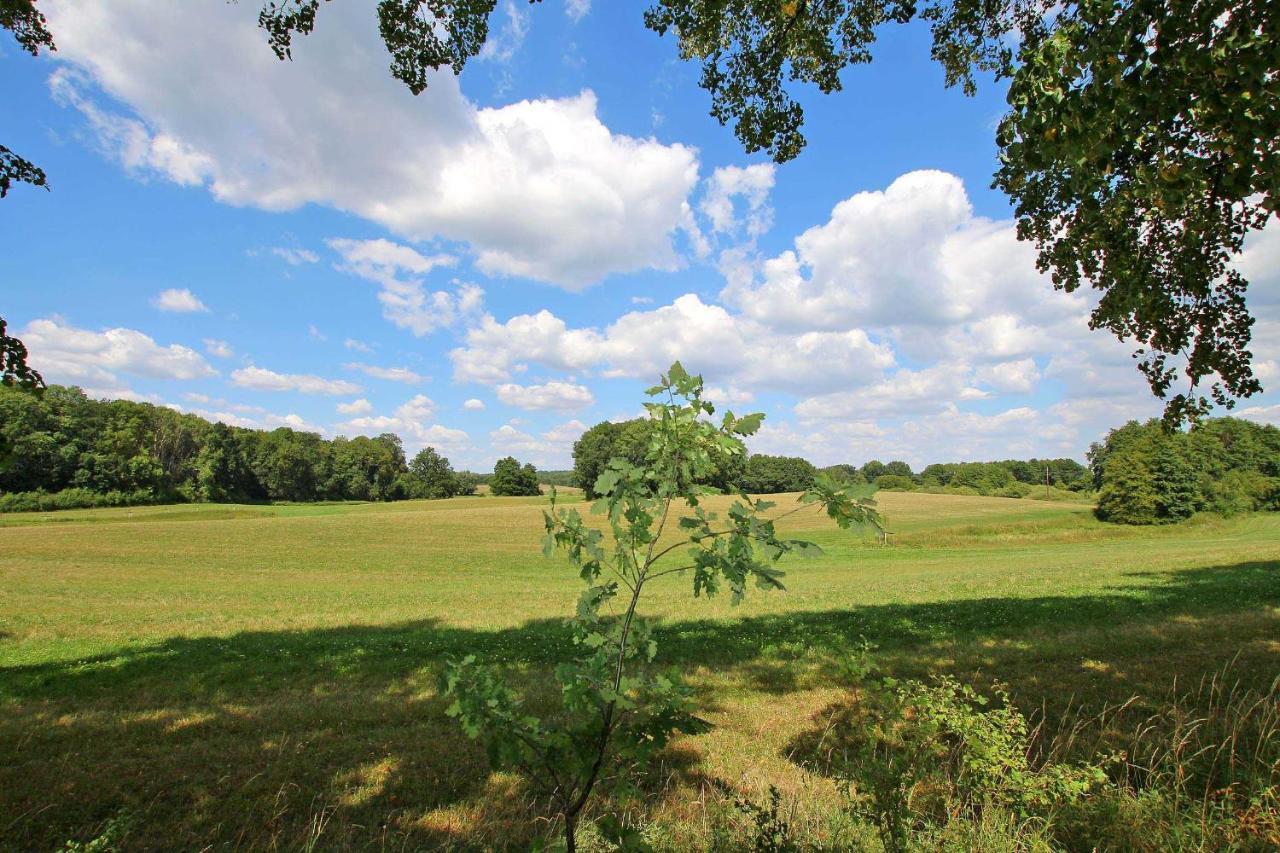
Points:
(66, 450)
(1148, 475)
(765, 474)
(1002, 478)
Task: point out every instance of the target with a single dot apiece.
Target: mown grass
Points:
(262, 676)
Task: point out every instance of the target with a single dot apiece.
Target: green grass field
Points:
(259, 676)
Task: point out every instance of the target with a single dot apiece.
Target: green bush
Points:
(80, 498)
(895, 483)
(468, 482)
(844, 473)
(920, 759)
(513, 479)
(768, 475)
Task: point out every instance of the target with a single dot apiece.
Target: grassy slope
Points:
(258, 675)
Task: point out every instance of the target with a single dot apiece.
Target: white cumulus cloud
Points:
(549, 395)
(397, 270)
(67, 354)
(391, 374)
(355, 407)
(752, 185)
(261, 379)
(221, 349)
(414, 422)
(517, 184)
(178, 301)
(726, 347)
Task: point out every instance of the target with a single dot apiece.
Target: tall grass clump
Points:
(936, 764)
(1198, 770)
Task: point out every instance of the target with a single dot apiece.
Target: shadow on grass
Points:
(272, 738)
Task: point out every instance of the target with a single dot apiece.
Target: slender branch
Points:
(619, 575)
(649, 559)
(692, 539)
(606, 728)
(670, 571)
(713, 534)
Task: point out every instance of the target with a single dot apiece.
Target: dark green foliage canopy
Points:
(875, 469)
(894, 483)
(430, 476)
(1148, 475)
(630, 440)
(14, 370)
(512, 478)
(1139, 152)
(989, 478)
(767, 475)
(24, 21)
(1139, 147)
(844, 473)
(119, 452)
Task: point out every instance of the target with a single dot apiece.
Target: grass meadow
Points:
(249, 677)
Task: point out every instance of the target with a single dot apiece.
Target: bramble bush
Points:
(617, 708)
(916, 757)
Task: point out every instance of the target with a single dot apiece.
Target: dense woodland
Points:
(1148, 475)
(66, 450)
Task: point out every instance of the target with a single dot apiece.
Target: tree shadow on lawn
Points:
(269, 738)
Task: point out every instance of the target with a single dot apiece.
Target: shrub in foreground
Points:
(936, 765)
(618, 710)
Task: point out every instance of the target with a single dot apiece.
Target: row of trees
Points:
(765, 474)
(1148, 475)
(97, 452)
(989, 477)
(64, 449)
(631, 440)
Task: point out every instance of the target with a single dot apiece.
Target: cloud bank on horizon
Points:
(532, 262)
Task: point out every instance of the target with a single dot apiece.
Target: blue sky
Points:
(512, 256)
